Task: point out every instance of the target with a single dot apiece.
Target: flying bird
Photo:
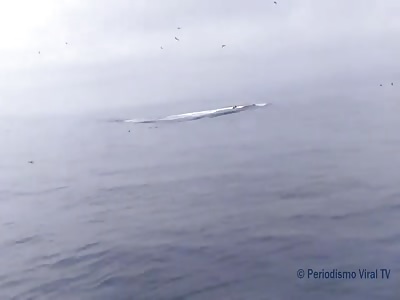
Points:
(223, 46)
(177, 39)
(178, 28)
(31, 161)
(66, 43)
(38, 52)
(275, 2)
(392, 83)
(380, 85)
(161, 48)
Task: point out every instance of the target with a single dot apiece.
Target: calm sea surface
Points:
(222, 208)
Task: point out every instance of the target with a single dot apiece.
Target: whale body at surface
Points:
(202, 114)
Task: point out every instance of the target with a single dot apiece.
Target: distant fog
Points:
(113, 56)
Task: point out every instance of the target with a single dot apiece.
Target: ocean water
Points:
(218, 208)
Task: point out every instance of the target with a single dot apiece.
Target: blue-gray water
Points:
(222, 208)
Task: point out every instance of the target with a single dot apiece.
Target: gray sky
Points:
(113, 57)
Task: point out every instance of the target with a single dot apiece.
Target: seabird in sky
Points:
(161, 47)
(178, 28)
(177, 39)
(223, 46)
(31, 161)
(392, 83)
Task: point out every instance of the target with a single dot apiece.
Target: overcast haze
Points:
(113, 57)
